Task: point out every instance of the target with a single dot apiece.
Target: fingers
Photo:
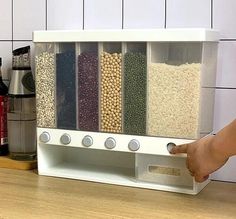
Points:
(179, 149)
(206, 177)
(200, 179)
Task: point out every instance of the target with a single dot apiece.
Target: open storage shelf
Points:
(109, 102)
(93, 165)
(150, 167)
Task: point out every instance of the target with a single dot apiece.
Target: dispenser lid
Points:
(129, 35)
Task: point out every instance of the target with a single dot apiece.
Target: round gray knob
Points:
(134, 145)
(110, 143)
(44, 137)
(170, 145)
(65, 139)
(87, 141)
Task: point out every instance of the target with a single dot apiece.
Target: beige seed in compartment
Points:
(45, 86)
(111, 92)
(173, 100)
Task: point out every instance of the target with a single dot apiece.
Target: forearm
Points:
(224, 142)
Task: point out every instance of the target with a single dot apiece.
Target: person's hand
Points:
(201, 158)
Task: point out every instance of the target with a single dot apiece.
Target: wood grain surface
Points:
(7, 162)
(24, 194)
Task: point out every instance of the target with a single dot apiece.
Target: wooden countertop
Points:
(24, 194)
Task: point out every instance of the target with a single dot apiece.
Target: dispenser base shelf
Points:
(122, 178)
(119, 165)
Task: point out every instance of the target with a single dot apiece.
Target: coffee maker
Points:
(21, 113)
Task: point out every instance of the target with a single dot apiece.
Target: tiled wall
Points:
(20, 17)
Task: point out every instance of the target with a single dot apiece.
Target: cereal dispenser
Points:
(110, 103)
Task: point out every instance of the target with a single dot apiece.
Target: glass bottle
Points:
(3, 115)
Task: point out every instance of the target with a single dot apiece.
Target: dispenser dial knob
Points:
(134, 145)
(65, 139)
(110, 143)
(170, 145)
(87, 141)
(44, 137)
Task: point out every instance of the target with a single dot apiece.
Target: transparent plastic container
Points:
(122, 96)
(111, 87)
(65, 86)
(181, 89)
(88, 85)
(135, 88)
(154, 88)
(45, 84)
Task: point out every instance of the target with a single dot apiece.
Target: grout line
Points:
(227, 40)
(122, 14)
(225, 88)
(21, 40)
(12, 18)
(165, 13)
(12, 35)
(46, 15)
(211, 14)
(6, 40)
(83, 14)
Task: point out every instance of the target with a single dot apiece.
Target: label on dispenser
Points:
(3, 120)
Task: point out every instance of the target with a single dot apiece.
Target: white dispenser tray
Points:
(150, 166)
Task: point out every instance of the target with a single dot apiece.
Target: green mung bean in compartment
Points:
(135, 82)
(174, 89)
(88, 105)
(110, 87)
(65, 86)
(45, 84)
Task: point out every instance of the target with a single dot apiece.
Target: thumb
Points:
(179, 149)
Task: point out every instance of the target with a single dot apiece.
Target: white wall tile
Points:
(188, 13)
(225, 112)
(226, 65)
(28, 15)
(6, 54)
(145, 14)
(227, 172)
(224, 17)
(102, 14)
(225, 108)
(6, 20)
(18, 44)
(65, 14)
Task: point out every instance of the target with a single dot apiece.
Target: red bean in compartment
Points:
(88, 92)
